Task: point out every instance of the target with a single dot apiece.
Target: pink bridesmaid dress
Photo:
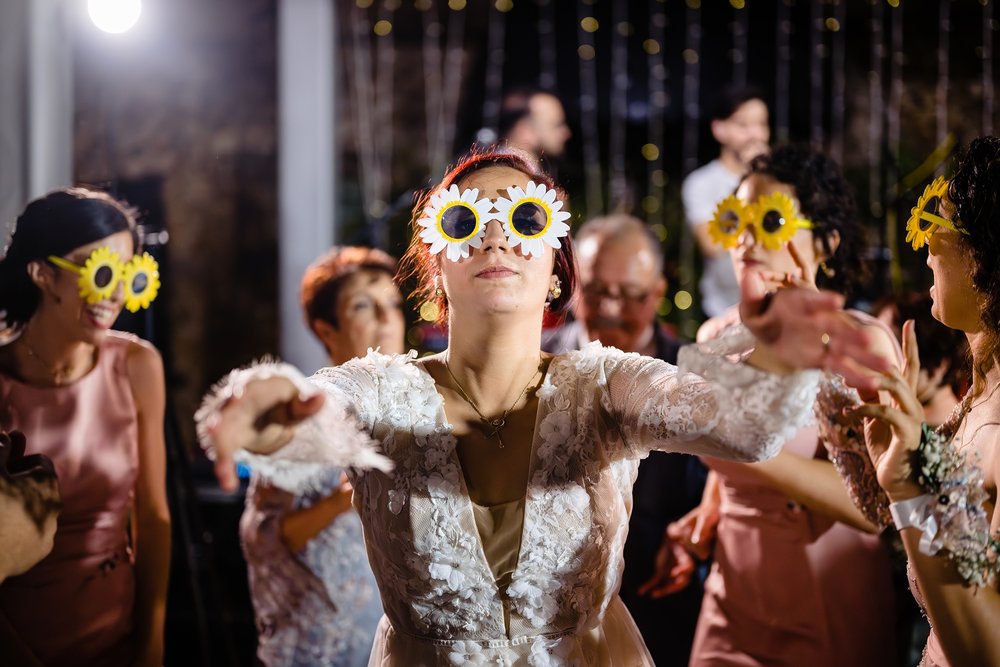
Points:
(75, 606)
(790, 588)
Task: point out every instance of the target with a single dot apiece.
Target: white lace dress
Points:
(599, 412)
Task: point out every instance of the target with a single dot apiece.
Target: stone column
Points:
(306, 161)
(36, 102)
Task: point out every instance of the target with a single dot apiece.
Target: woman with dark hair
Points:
(496, 537)
(795, 579)
(92, 400)
(942, 483)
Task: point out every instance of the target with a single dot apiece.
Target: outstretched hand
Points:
(801, 327)
(261, 418)
(892, 433)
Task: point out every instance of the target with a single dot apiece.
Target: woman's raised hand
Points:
(259, 416)
(801, 327)
(892, 433)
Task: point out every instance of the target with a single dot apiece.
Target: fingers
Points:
(752, 293)
(900, 422)
(225, 472)
(805, 278)
(904, 394)
(911, 354)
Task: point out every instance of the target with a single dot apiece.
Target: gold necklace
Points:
(497, 423)
(58, 375)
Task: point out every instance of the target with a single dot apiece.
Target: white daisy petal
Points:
(560, 216)
(550, 198)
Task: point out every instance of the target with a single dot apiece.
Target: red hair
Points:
(420, 265)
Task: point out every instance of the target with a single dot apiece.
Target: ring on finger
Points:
(825, 339)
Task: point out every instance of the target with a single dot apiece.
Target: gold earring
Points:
(829, 272)
(556, 290)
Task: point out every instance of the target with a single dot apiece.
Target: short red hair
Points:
(419, 264)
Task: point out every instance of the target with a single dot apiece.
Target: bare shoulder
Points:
(143, 360)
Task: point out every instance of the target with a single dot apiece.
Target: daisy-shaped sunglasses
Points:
(455, 221)
(774, 218)
(924, 219)
(100, 274)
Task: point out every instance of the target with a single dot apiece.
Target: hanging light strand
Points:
(619, 105)
(689, 151)
(385, 48)
(658, 75)
(943, 78)
(364, 102)
(987, 68)
(839, 87)
(588, 114)
(740, 29)
(433, 89)
(893, 139)
(546, 44)
(782, 72)
(496, 30)
(876, 116)
(816, 102)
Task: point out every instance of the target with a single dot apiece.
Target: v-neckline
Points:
(468, 507)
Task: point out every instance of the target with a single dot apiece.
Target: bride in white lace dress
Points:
(493, 480)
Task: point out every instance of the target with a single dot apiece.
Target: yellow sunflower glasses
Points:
(103, 270)
(774, 218)
(924, 220)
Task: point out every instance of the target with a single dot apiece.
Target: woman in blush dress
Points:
(92, 400)
(799, 575)
(493, 480)
(313, 591)
(942, 483)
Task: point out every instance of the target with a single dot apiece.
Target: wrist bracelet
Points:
(912, 512)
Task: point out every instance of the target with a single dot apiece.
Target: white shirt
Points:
(701, 191)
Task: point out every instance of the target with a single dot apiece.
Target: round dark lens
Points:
(932, 207)
(529, 219)
(772, 222)
(458, 222)
(103, 276)
(140, 282)
(729, 222)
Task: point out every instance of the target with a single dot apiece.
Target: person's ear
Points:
(718, 128)
(328, 335)
(825, 251)
(42, 274)
(660, 288)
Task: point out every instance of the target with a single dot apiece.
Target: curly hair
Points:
(827, 200)
(418, 264)
(974, 190)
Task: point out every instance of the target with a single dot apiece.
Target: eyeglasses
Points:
(924, 220)
(628, 296)
(103, 270)
(773, 217)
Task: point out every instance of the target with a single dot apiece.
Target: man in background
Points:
(740, 126)
(622, 283)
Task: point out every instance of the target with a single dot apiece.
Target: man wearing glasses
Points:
(622, 283)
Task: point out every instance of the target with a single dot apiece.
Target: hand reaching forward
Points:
(893, 431)
(259, 416)
(800, 327)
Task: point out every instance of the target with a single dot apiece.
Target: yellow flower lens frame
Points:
(728, 222)
(775, 220)
(142, 282)
(458, 221)
(923, 222)
(100, 274)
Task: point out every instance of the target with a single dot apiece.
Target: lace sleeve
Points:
(335, 436)
(712, 404)
(845, 445)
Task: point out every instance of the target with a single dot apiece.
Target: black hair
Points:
(731, 98)
(55, 224)
(826, 200)
(516, 105)
(975, 192)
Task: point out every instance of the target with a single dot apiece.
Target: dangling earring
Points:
(827, 271)
(555, 291)
(438, 292)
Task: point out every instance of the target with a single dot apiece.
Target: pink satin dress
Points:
(75, 607)
(790, 588)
